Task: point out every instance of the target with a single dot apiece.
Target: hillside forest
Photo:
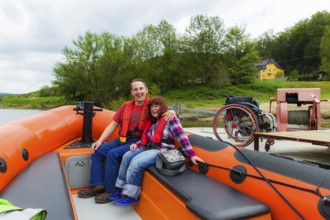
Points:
(100, 67)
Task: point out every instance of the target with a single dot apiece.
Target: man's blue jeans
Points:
(132, 169)
(106, 161)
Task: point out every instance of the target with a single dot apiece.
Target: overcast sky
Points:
(34, 32)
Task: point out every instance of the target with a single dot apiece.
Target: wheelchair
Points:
(239, 118)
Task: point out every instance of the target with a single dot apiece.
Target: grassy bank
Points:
(32, 102)
(212, 99)
(198, 97)
(201, 97)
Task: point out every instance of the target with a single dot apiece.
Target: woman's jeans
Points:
(132, 169)
(106, 161)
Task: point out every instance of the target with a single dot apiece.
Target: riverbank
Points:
(207, 121)
(198, 97)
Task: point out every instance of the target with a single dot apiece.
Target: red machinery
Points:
(309, 117)
(238, 120)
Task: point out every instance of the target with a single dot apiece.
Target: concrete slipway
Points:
(294, 149)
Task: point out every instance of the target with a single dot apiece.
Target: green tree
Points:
(168, 62)
(265, 44)
(294, 75)
(240, 56)
(325, 51)
(115, 68)
(157, 49)
(67, 79)
(95, 68)
(298, 47)
(202, 45)
(77, 77)
(315, 32)
(149, 49)
(47, 91)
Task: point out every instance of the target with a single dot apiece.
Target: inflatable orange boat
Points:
(45, 160)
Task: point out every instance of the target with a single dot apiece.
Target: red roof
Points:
(262, 63)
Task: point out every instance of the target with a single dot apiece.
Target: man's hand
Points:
(169, 115)
(95, 146)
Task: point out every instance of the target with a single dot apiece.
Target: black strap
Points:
(152, 145)
(166, 141)
(130, 133)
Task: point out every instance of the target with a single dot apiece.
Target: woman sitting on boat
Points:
(158, 136)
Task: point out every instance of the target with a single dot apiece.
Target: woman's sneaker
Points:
(126, 201)
(116, 195)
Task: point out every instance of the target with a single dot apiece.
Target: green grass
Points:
(197, 96)
(27, 102)
(208, 98)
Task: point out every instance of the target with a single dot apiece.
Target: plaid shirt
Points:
(172, 130)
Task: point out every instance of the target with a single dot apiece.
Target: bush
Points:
(33, 102)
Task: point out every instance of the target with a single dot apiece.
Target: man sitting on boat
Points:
(132, 117)
(159, 136)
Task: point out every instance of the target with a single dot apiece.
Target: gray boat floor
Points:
(88, 209)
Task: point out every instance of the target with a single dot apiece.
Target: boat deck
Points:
(88, 209)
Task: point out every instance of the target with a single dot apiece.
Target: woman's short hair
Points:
(158, 100)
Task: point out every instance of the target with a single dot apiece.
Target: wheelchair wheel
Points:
(235, 123)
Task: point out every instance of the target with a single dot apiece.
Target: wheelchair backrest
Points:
(244, 100)
(238, 99)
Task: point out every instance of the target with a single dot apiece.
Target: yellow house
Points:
(269, 69)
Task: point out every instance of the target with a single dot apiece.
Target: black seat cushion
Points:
(210, 199)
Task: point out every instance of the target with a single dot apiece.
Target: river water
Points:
(7, 115)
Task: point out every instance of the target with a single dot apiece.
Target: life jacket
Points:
(9, 211)
(158, 133)
(126, 119)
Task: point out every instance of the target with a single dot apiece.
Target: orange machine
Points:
(310, 117)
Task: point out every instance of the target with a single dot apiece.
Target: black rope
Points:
(267, 181)
(273, 181)
(321, 180)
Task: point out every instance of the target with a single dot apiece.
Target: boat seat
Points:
(210, 199)
(42, 185)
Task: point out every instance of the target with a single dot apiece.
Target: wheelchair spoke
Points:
(236, 124)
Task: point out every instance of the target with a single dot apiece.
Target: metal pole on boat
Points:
(87, 111)
(87, 123)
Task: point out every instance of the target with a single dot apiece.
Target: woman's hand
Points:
(133, 147)
(169, 115)
(196, 159)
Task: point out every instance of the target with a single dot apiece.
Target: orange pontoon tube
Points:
(276, 187)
